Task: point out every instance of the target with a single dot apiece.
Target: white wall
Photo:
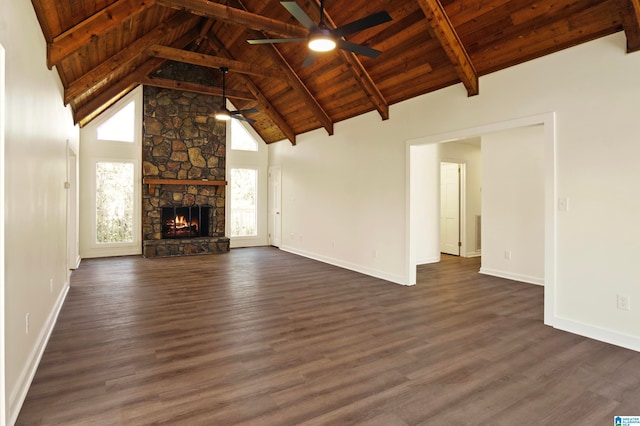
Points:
(424, 199)
(349, 189)
(3, 398)
(343, 197)
(37, 129)
(513, 204)
(467, 153)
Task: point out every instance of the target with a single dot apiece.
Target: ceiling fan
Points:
(323, 39)
(223, 113)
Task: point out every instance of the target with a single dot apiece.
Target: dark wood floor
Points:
(263, 337)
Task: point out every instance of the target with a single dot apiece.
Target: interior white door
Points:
(450, 208)
(275, 205)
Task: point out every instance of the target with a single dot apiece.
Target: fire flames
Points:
(181, 222)
(180, 226)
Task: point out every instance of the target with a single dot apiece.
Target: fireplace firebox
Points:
(185, 222)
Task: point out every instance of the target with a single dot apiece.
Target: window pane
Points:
(114, 202)
(241, 139)
(120, 127)
(244, 220)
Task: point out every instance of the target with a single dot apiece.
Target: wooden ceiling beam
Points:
(209, 61)
(294, 80)
(99, 74)
(235, 16)
(79, 35)
(297, 84)
(361, 75)
(44, 10)
(108, 96)
(453, 47)
(204, 30)
(113, 93)
(630, 14)
(165, 83)
(263, 103)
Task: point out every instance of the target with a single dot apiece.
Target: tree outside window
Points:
(114, 202)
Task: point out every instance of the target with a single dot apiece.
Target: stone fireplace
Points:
(183, 196)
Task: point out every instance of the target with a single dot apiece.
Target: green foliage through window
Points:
(244, 187)
(114, 202)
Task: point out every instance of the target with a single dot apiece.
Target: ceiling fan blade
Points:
(362, 24)
(310, 59)
(358, 49)
(245, 111)
(297, 12)
(275, 40)
(241, 118)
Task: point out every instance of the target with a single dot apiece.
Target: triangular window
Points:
(120, 126)
(241, 140)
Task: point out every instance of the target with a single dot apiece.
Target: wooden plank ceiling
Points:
(104, 48)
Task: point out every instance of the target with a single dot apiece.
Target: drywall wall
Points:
(3, 398)
(350, 188)
(343, 197)
(424, 200)
(38, 127)
(513, 204)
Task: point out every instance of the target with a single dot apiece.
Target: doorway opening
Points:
(423, 156)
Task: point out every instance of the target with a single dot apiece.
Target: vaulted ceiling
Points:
(102, 49)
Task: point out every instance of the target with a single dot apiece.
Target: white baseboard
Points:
(241, 242)
(512, 276)
(397, 279)
(428, 260)
(597, 333)
(16, 399)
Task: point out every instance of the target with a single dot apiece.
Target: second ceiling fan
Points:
(323, 39)
(223, 113)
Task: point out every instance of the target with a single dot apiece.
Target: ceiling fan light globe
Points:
(321, 40)
(223, 116)
(322, 44)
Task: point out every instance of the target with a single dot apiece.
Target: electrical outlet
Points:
(624, 302)
(50, 285)
(26, 323)
(563, 204)
(507, 254)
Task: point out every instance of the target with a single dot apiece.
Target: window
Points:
(241, 140)
(114, 202)
(120, 126)
(244, 193)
